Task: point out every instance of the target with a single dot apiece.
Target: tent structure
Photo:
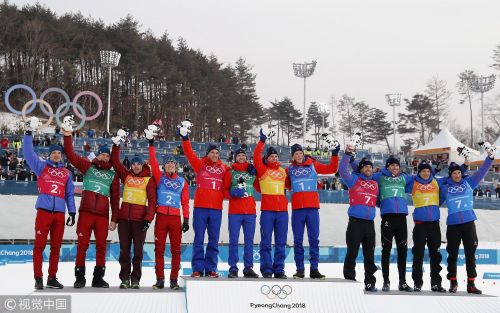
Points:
(444, 142)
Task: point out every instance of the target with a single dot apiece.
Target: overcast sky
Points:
(363, 48)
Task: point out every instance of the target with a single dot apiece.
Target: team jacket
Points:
(302, 180)
(55, 182)
(363, 191)
(271, 182)
(209, 192)
(244, 205)
(458, 196)
(137, 190)
(392, 192)
(94, 202)
(170, 180)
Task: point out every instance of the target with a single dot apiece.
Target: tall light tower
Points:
(109, 59)
(482, 84)
(304, 70)
(394, 100)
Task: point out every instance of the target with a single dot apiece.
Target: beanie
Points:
(169, 158)
(137, 159)
(296, 147)
(103, 149)
(391, 160)
(453, 167)
(211, 146)
(270, 151)
(240, 150)
(55, 148)
(363, 163)
(424, 166)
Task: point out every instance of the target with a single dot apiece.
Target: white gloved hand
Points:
(151, 132)
(268, 132)
(116, 140)
(243, 185)
(185, 128)
(32, 123)
(463, 152)
(123, 134)
(354, 143)
(68, 122)
(489, 148)
(329, 142)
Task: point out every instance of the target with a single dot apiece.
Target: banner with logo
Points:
(331, 295)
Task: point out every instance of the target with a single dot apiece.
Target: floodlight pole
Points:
(482, 84)
(394, 100)
(109, 59)
(304, 70)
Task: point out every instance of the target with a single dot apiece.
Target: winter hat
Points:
(169, 158)
(55, 148)
(270, 151)
(453, 167)
(240, 150)
(423, 166)
(137, 159)
(296, 147)
(211, 146)
(391, 160)
(363, 163)
(103, 149)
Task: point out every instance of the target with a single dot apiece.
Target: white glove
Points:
(329, 142)
(243, 185)
(116, 140)
(185, 128)
(463, 152)
(68, 122)
(151, 132)
(32, 123)
(269, 133)
(489, 148)
(123, 134)
(354, 143)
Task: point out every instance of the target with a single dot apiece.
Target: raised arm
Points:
(81, 163)
(69, 195)
(348, 178)
(330, 168)
(475, 179)
(32, 159)
(153, 161)
(117, 164)
(191, 155)
(257, 159)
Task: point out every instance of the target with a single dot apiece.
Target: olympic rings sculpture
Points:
(29, 106)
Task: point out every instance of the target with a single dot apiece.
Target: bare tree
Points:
(439, 95)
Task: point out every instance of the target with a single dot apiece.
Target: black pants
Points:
(465, 233)
(394, 226)
(360, 231)
(131, 232)
(426, 233)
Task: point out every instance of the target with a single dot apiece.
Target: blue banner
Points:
(24, 253)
